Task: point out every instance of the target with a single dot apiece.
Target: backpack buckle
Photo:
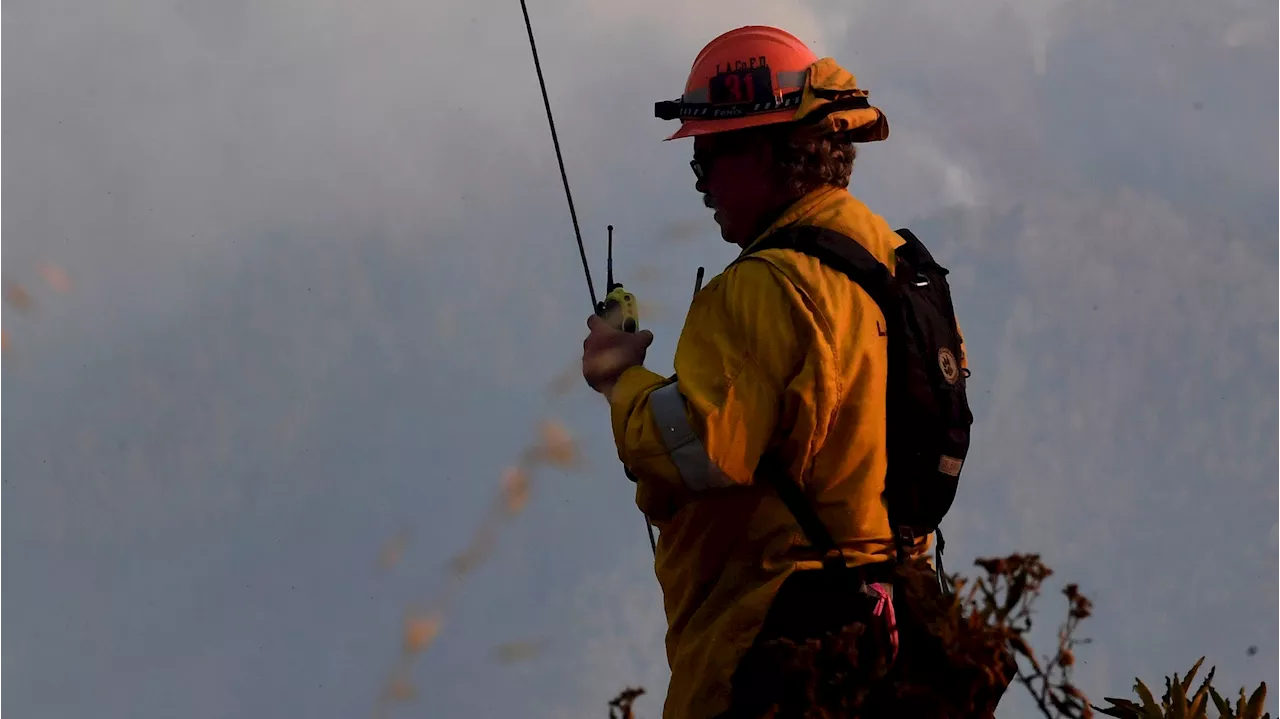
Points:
(833, 561)
(904, 538)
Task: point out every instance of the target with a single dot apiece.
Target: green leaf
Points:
(1177, 708)
(1122, 708)
(1254, 709)
(1148, 702)
(1196, 707)
(1200, 702)
(1186, 683)
(1224, 708)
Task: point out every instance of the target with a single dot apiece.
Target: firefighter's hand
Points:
(608, 352)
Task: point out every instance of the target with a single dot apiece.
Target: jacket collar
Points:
(793, 214)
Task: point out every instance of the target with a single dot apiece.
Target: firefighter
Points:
(780, 356)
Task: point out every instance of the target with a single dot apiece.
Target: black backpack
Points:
(928, 411)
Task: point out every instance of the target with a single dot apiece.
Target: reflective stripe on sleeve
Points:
(683, 446)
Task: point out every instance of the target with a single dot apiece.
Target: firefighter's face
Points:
(735, 179)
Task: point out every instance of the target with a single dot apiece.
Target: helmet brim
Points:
(693, 128)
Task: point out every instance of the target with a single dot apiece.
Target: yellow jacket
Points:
(778, 351)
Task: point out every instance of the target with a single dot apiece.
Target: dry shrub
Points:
(1179, 703)
(958, 654)
(951, 663)
(620, 706)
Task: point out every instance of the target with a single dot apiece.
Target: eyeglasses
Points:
(700, 168)
(701, 164)
(702, 161)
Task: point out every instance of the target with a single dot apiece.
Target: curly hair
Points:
(804, 159)
(807, 161)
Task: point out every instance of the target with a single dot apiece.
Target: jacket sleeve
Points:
(736, 364)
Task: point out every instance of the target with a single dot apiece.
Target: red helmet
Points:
(747, 77)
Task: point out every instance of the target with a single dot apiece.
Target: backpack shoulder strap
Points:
(838, 251)
(772, 471)
(845, 254)
(913, 250)
(842, 253)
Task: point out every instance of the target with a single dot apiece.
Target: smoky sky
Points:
(322, 275)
